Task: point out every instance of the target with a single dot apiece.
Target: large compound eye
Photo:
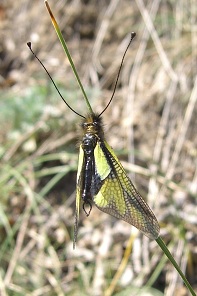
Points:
(85, 124)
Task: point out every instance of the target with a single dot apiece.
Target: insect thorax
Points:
(93, 132)
(92, 125)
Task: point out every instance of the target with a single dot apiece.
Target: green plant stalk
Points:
(159, 240)
(63, 42)
(171, 258)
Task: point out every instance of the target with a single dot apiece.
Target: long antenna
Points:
(133, 34)
(29, 45)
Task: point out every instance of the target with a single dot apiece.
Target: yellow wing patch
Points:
(110, 193)
(78, 195)
(119, 198)
(80, 162)
(102, 166)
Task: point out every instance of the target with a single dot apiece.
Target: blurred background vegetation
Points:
(151, 124)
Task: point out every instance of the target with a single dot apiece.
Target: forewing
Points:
(78, 194)
(119, 198)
